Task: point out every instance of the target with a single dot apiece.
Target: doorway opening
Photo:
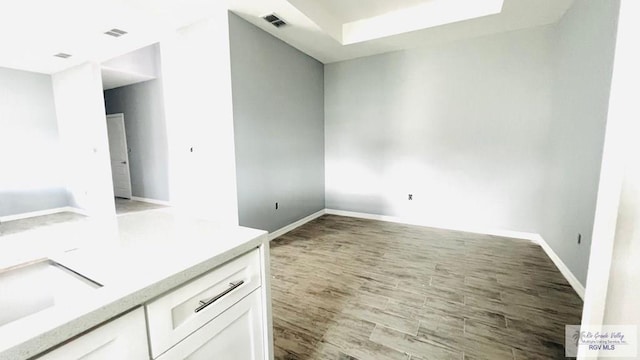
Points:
(136, 125)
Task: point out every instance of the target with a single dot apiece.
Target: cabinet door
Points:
(235, 334)
(124, 338)
(172, 317)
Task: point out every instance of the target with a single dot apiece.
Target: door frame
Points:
(120, 117)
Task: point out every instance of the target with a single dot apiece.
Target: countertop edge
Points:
(51, 339)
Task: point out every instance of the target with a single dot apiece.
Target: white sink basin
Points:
(32, 287)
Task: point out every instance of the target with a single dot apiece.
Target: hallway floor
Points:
(124, 206)
(16, 226)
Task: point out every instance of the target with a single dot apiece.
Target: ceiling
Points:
(114, 78)
(321, 28)
(32, 31)
(351, 10)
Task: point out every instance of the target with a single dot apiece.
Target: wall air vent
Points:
(62, 55)
(274, 20)
(115, 32)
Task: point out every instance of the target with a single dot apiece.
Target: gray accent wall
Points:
(143, 107)
(31, 170)
(503, 132)
(279, 131)
(462, 127)
(584, 43)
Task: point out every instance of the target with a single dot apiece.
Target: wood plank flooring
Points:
(346, 288)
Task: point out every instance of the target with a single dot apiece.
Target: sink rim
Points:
(55, 284)
(54, 263)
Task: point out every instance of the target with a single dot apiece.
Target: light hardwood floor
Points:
(346, 288)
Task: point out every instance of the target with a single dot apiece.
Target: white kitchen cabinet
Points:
(178, 287)
(234, 334)
(222, 314)
(124, 338)
(177, 314)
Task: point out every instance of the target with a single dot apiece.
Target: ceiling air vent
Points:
(62, 55)
(115, 32)
(274, 20)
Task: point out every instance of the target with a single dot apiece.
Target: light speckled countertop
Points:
(136, 257)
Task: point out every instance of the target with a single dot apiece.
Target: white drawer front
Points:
(235, 334)
(173, 316)
(124, 338)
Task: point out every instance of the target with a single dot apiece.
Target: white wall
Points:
(613, 284)
(198, 107)
(31, 178)
(623, 294)
(461, 126)
(83, 135)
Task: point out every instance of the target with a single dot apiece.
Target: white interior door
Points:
(119, 156)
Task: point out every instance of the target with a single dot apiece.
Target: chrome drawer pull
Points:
(205, 303)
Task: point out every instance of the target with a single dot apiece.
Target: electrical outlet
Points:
(410, 196)
(276, 206)
(579, 238)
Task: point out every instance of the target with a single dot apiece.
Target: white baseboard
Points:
(151, 201)
(296, 224)
(32, 214)
(469, 229)
(533, 237)
(573, 281)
